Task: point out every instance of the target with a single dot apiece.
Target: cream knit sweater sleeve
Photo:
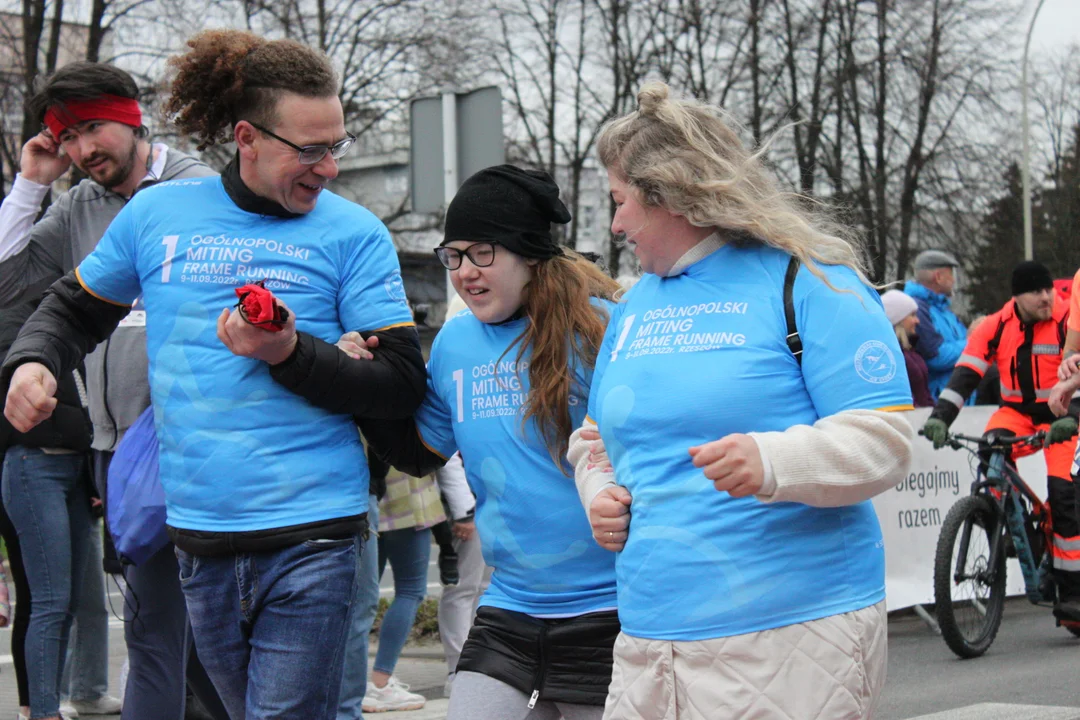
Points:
(589, 481)
(842, 459)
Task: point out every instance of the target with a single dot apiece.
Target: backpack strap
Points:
(992, 346)
(794, 342)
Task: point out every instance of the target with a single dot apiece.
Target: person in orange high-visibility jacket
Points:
(1025, 339)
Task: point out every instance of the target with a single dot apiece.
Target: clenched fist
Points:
(733, 463)
(31, 396)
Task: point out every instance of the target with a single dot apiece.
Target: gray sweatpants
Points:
(478, 696)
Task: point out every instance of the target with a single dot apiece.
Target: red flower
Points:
(258, 307)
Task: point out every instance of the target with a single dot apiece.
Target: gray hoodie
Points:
(116, 372)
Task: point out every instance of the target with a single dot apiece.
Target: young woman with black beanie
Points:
(508, 380)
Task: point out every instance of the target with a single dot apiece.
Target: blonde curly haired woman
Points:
(750, 571)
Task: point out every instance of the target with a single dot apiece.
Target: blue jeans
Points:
(86, 672)
(271, 626)
(354, 669)
(48, 500)
(408, 551)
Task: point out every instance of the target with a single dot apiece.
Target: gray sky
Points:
(1057, 26)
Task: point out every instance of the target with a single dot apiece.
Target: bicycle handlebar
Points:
(1000, 442)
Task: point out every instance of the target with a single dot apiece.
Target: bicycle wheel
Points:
(969, 606)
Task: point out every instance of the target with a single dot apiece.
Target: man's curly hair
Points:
(231, 75)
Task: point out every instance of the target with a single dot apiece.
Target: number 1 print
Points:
(459, 381)
(169, 241)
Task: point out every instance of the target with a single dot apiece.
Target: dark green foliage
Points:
(1003, 233)
(1055, 212)
(426, 626)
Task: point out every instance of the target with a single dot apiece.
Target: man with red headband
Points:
(91, 119)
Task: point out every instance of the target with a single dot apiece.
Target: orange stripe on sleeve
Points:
(428, 446)
(391, 327)
(99, 297)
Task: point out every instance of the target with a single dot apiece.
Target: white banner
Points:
(911, 513)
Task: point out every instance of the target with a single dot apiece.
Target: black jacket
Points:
(69, 427)
(70, 322)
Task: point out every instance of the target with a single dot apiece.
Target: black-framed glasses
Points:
(480, 254)
(311, 154)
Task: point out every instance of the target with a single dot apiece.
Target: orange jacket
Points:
(1027, 358)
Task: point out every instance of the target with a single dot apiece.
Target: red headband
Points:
(106, 107)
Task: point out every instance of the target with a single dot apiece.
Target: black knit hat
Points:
(1029, 276)
(509, 206)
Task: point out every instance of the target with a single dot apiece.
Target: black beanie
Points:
(509, 206)
(1029, 276)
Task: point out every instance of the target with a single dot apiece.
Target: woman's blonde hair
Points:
(685, 157)
(902, 336)
(562, 320)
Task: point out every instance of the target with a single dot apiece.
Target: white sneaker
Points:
(104, 705)
(395, 696)
(67, 710)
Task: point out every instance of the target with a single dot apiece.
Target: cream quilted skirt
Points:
(827, 669)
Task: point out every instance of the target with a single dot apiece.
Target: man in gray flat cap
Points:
(941, 334)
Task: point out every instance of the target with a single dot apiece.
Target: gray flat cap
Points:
(930, 259)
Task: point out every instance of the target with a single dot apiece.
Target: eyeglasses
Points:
(311, 154)
(480, 254)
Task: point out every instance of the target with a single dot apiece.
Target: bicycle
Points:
(1001, 517)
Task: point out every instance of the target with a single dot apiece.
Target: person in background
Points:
(750, 561)
(1024, 340)
(366, 605)
(91, 119)
(941, 334)
(67, 439)
(1072, 334)
(407, 511)
(902, 312)
(458, 603)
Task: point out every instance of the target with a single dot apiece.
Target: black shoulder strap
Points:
(1063, 330)
(794, 342)
(991, 348)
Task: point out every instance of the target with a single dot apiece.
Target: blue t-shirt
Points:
(239, 452)
(693, 358)
(533, 530)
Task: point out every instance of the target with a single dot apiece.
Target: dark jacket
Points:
(69, 426)
(918, 377)
(116, 374)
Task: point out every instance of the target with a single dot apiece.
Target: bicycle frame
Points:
(1003, 484)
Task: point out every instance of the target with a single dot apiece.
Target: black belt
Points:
(209, 544)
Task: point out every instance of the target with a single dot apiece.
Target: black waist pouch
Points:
(559, 660)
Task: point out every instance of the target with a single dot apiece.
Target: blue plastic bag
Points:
(136, 500)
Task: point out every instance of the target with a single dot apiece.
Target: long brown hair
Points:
(561, 320)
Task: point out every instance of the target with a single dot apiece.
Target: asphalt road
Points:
(1031, 662)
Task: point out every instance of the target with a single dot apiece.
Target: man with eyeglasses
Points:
(90, 118)
(265, 477)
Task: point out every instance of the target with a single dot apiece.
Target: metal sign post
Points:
(452, 137)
